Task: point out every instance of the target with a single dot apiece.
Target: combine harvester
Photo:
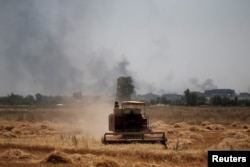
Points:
(130, 124)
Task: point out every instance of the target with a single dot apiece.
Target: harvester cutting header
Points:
(130, 124)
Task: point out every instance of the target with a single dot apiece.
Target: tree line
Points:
(191, 98)
(125, 88)
(38, 99)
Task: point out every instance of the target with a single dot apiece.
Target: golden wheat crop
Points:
(72, 136)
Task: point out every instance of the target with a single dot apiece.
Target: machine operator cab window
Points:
(133, 113)
(133, 107)
(130, 107)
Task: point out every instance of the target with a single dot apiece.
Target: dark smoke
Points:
(206, 85)
(33, 51)
(102, 70)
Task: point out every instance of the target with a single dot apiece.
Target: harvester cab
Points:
(130, 124)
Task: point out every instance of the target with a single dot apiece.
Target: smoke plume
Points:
(34, 55)
(206, 85)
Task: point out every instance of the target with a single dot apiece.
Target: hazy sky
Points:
(61, 46)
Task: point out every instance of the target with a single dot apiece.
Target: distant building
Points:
(172, 97)
(150, 96)
(244, 96)
(220, 92)
(146, 97)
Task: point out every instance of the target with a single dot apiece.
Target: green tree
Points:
(38, 98)
(152, 101)
(163, 100)
(14, 99)
(28, 100)
(201, 100)
(225, 101)
(158, 100)
(125, 88)
(187, 97)
(216, 100)
(193, 99)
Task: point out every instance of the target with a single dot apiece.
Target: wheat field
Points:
(71, 136)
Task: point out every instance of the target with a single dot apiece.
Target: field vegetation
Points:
(71, 136)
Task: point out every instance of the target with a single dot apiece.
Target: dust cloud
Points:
(94, 122)
(88, 120)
